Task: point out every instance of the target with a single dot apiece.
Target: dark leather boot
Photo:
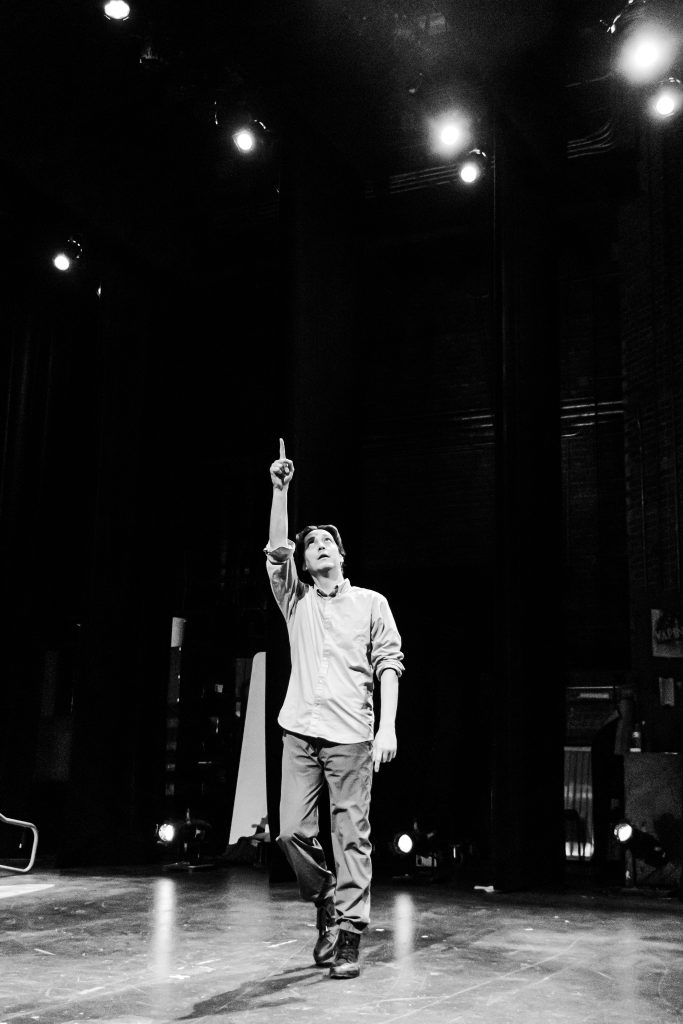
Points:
(345, 963)
(328, 933)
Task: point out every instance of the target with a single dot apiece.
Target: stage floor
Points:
(130, 948)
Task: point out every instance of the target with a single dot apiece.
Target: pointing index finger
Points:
(282, 449)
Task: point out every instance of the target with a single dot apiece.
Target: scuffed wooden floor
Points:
(225, 946)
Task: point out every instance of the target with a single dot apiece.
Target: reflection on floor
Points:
(218, 946)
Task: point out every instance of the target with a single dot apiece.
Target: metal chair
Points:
(23, 825)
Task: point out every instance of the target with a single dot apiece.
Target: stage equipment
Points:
(646, 41)
(451, 134)
(67, 256)
(473, 167)
(117, 10)
(187, 838)
(403, 843)
(250, 138)
(667, 99)
(417, 853)
(653, 807)
(166, 832)
(641, 845)
(25, 826)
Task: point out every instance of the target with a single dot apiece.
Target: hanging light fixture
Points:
(65, 258)
(646, 44)
(117, 10)
(473, 167)
(451, 134)
(667, 99)
(250, 137)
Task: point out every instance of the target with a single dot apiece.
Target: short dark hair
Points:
(300, 542)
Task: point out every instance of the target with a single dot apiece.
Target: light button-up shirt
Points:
(339, 643)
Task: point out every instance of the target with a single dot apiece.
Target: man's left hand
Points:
(384, 747)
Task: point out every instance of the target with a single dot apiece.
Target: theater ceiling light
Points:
(451, 134)
(65, 258)
(473, 167)
(667, 99)
(117, 10)
(249, 138)
(646, 41)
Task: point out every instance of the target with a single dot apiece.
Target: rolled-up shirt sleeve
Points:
(385, 639)
(284, 580)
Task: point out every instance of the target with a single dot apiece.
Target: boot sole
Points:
(347, 974)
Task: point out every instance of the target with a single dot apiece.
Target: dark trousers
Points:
(346, 768)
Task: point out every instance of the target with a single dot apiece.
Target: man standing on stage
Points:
(341, 638)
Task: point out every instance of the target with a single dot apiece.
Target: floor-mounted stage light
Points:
(416, 853)
(639, 846)
(623, 831)
(403, 843)
(117, 10)
(166, 832)
(667, 99)
(186, 838)
(473, 167)
(643, 845)
(68, 256)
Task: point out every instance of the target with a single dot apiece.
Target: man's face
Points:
(321, 553)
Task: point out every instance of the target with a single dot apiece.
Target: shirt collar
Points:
(339, 589)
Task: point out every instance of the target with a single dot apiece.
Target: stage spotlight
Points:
(667, 100)
(451, 135)
(66, 257)
(646, 46)
(642, 845)
(250, 137)
(166, 833)
(623, 831)
(187, 837)
(117, 10)
(646, 55)
(403, 843)
(473, 167)
(419, 854)
(244, 140)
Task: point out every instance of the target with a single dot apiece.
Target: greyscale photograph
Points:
(341, 512)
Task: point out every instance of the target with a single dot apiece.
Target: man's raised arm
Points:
(281, 473)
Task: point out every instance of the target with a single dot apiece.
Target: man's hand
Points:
(282, 470)
(384, 747)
